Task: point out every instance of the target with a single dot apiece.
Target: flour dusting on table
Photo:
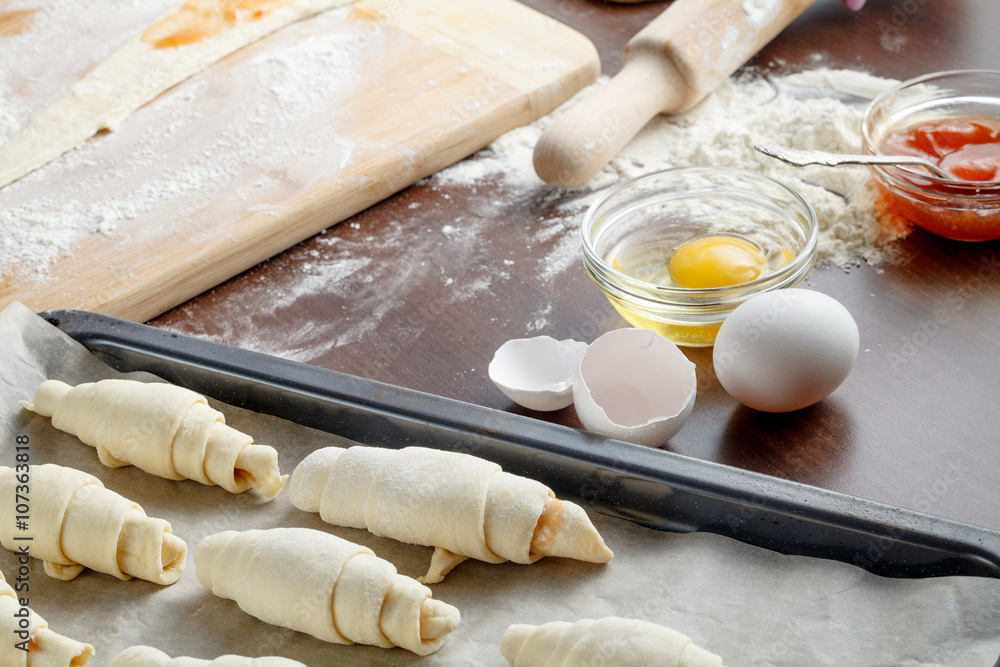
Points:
(441, 244)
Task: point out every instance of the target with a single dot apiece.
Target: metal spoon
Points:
(799, 158)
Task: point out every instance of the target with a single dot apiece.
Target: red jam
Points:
(969, 150)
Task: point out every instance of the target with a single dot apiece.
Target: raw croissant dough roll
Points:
(463, 506)
(161, 428)
(21, 626)
(147, 656)
(75, 523)
(622, 642)
(317, 583)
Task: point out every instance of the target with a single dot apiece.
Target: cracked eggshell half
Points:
(635, 385)
(537, 373)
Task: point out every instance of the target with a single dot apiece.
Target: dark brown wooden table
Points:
(421, 304)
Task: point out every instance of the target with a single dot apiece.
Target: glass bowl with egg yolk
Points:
(953, 119)
(676, 251)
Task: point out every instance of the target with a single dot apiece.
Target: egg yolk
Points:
(716, 261)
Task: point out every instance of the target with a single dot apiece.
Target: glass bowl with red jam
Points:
(952, 119)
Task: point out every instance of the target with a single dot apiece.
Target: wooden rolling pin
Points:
(668, 67)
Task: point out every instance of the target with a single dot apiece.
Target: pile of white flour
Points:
(813, 110)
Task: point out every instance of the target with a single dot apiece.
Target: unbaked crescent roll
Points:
(161, 428)
(28, 641)
(622, 642)
(74, 522)
(317, 583)
(464, 506)
(147, 656)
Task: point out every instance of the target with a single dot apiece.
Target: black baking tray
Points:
(652, 487)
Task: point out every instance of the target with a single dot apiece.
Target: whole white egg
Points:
(785, 350)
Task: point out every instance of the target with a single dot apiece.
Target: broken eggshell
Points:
(537, 373)
(634, 385)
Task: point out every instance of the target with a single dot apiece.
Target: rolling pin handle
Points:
(669, 66)
(580, 142)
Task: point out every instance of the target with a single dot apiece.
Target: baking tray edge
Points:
(652, 487)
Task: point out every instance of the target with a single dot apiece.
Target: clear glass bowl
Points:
(960, 210)
(630, 233)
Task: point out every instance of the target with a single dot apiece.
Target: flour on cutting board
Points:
(180, 161)
(26, 59)
(10, 113)
(760, 12)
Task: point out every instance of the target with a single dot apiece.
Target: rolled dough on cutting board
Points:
(142, 69)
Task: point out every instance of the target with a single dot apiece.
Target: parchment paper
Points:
(752, 606)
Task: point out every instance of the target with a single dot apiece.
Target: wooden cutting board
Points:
(277, 142)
